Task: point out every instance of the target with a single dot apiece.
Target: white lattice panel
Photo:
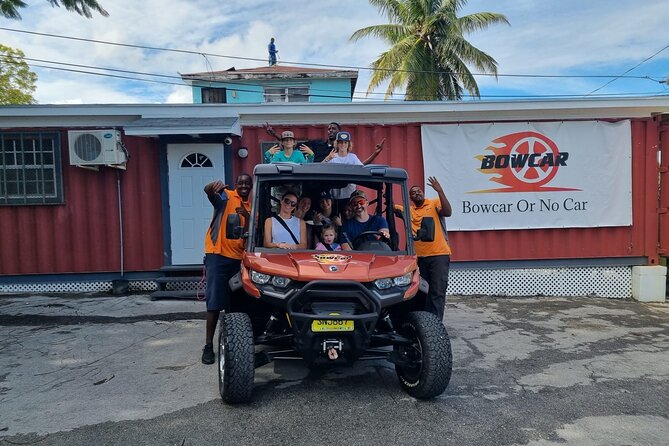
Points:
(602, 281)
(75, 287)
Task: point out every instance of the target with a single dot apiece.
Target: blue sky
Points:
(546, 37)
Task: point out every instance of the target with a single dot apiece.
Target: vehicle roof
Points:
(370, 172)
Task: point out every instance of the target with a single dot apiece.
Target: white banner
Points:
(532, 175)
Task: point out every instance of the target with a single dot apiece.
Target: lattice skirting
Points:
(602, 281)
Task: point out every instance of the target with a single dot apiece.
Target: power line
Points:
(634, 67)
(470, 96)
(180, 84)
(200, 53)
(240, 89)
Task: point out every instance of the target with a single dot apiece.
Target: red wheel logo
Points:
(523, 162)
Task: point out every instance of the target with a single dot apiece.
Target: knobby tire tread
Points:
(240, 358)
(437, 356)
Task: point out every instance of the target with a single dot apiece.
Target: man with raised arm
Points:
(434, 257)
(223, 256)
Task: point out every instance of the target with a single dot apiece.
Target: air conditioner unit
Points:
(96, 147)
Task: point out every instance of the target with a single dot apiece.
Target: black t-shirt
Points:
(321, 149)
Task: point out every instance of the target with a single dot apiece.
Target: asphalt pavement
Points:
(83, 370)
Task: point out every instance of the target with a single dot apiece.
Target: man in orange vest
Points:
(434, 257)
(222, 256)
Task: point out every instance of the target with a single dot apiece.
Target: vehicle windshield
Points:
(320, 215)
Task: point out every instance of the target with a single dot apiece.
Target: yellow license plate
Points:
(324, 325)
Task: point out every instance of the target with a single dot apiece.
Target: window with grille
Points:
(195, 160)
(30, 168)
(213, 96)
(286, 94)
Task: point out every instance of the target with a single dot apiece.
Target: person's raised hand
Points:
(434, 184)
(379, 146)
(331, 155)
(306, 150)
(270, 131)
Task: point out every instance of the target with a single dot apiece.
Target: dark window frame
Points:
(213, 95)
(31, 170)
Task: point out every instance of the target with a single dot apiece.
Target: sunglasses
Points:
(359, 203)
(290, 203)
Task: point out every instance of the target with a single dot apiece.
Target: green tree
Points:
(10, 8)
(429, 53)
(17, 82)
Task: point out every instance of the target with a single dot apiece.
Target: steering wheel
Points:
(382, 243)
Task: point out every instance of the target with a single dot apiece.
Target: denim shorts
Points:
(219, 270)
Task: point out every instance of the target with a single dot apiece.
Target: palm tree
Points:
(429, 52)
(10, 8)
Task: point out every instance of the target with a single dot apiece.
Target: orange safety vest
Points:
(215, 241)
(430, 208)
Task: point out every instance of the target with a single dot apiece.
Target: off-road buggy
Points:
(332, 307)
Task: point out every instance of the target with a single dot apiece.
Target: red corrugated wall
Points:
(664, 191)
(403, 148)
(82, 235)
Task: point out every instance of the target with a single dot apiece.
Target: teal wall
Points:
(321, 90)
(330, 90)
(241, 93)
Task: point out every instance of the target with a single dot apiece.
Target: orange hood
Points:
(330, 265)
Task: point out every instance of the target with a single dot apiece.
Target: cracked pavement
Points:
(79, 370)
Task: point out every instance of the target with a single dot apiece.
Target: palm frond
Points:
(81, 7)
(480, 21)
(429, 55)
(391, 32)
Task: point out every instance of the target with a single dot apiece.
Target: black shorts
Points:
(219, 270)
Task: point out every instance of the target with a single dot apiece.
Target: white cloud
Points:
(180, 95)
(567, 37)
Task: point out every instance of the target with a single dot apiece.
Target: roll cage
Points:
(384, 186)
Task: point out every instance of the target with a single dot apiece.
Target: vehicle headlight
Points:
(260, 278)
(403, 280)
(280, 282)
(384, 284)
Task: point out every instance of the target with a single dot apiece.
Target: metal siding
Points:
(82, 235)
(664, 190)
(142, 213)
(403, 148)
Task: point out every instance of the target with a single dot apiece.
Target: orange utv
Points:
(332, 307)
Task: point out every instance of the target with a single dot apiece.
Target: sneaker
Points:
(208, 356)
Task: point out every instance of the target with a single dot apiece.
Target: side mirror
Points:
(426, 231)
(233, 227)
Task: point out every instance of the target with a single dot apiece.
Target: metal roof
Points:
(14, 116)
(267, 72)
(328, 170)
(183, 126)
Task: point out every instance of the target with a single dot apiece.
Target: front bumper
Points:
(334, 301)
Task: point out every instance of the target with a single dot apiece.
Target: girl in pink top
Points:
(328, 234)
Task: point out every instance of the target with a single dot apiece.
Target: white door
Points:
(190, 168)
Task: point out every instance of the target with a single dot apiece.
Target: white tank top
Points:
(279, 233)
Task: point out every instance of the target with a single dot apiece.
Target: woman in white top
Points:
(343, 155)
(278, 236)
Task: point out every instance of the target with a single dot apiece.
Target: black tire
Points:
(430, 356)
(236, 358)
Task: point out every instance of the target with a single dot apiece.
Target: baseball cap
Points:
(358, 194)
(287, 134)
(343, 136)
(325, 195)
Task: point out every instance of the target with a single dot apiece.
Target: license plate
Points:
(324, 325)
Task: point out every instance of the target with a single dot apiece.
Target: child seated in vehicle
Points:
(328, 235)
